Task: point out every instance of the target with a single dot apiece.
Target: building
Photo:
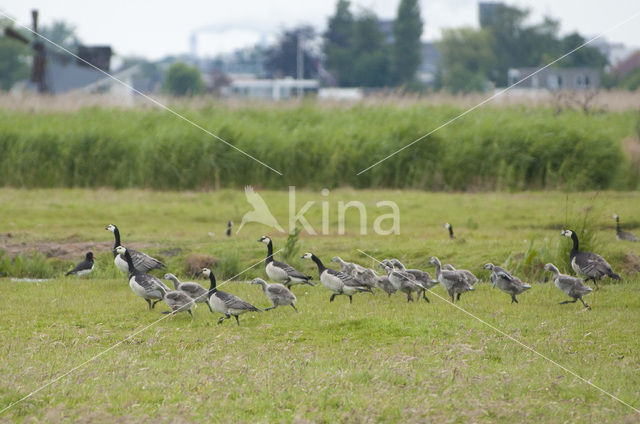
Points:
(429, 59)
(272, 89)
(555, 79)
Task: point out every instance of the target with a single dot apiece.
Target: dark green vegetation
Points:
(492, 148)
(378, 359)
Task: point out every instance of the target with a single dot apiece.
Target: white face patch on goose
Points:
(307, 256)
(111, 228)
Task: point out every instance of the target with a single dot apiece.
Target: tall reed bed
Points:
(489, 149)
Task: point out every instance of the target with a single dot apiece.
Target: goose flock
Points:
(349, 280)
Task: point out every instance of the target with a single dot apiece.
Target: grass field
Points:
(376, 360)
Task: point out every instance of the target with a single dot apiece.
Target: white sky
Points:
(154, 29)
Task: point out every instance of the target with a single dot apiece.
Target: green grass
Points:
(490, 149)
(376, 360)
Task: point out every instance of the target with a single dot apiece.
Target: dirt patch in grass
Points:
(56, 249)
(631, 263)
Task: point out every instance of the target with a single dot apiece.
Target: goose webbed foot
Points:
(333, 296)
(585, 305)
(222, 318)
(268, 309)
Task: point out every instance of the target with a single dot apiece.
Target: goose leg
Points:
(153, 305)
(333, 296)
(458, 297)
(424, 296)
(209, 305)
(596, 283)
(294, 307)
(513, 298)
(268, 309)
(409, 297)
(585, 305)
(237, 320)
(190, 313)
(569, 301)
(350, 299)
(148, 303)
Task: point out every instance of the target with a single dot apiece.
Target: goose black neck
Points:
(575, 248)
(269, 252)
(127, 257)
(318, 262)
(116, 234)
(617, 224)
(450, 231)
(212, 288)
(438, 269)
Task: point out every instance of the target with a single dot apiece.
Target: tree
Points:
(338, 40)
(13, 59)
(466, 59)
(61, 33)
(281, 59)
(407, 48)
(585, 56)
(370, 53)
(183, 80)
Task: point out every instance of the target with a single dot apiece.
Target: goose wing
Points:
(592, 264)
(291, 271)
(346, 279)
(626, 235)
(143, 262)
(152, 285)
(234, 302)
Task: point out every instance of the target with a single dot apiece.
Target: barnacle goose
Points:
(590, 265)
(278, 294)
(144, 285)
(225, 303)
(623, 235)
(337, 281)
(141, 261)
(281, 272)
(452, 281)
(506, 282)
(571, 286)
(194, 290)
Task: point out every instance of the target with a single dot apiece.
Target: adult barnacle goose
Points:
(194, 290)
(144, 285)
(571, 286)
(337, 281)
(141, 261)
(506, 282)
(228, 230)
(225, 303)
(450, 228)
(84, 267)
(623, 235)
(452, 281)
(278, 294)
(281, 272)
(590, 265)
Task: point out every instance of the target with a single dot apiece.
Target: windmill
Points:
(39, 54)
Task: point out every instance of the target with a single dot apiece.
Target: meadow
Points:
(379, 359)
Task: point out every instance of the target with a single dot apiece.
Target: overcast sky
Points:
(155, 29)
